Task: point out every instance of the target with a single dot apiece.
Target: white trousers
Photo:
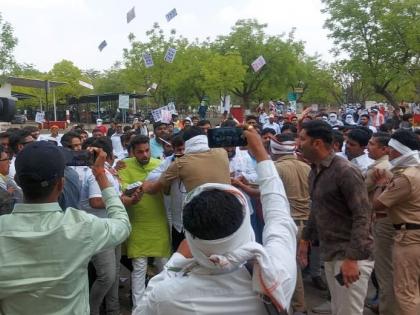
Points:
(138, 277)
(348, 301)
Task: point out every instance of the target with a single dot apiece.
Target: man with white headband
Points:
(294, 175)
(401, 200)
(208, 274)
(199, 165)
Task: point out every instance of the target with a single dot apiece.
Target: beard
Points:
(144, 161)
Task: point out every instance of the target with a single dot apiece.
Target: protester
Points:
(357, 141)
(198, 156)
(17, 141)
(156, 143)
(364, 121)
(342, 217)
(116, 141)
(271, 124)
(294, 175)
(101, 127)
(205, 125)
(150, 235)
(47, 272)
(207, 275)
(10, 193)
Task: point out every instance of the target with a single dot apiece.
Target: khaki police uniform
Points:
(383, 233)
(402, 198)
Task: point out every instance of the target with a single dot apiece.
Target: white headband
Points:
(399, 146)
(284, 147)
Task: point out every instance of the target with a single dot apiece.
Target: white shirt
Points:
(274, 126)
(362, 162)
(263, 118)
(12, 168)
(231, 293)
(174, 201)
(90, 189)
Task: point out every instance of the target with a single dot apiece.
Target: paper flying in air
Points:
(86, 85)
(154, 86)
(148, 60)
(171, 15)
(102, 45)
(131, 15)
(258, 63)
(170, 55)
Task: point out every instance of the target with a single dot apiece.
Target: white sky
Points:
(51, 30)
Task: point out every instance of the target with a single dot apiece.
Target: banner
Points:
(123, 101)
(258, 63)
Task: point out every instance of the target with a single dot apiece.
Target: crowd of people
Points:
(213, 230)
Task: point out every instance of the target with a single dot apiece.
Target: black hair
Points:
(105, 144)
(203, 123)
(2, 149)
(31, 128)
(268, 130)
(251, 117)
(192, 132)
(67, 137)
(286, 137)
(230, 123)
(319, 129)
(365, 115)
(386, 127)
(4, 134)
(407, 138)
(361, 136)
(406, 117)
(177, 140)
(288, 126)
(417, 132)
(16, 138)
(338, 138)
(88, 143)
(139, 139)
(126, 129)
(33, 191)
(212, 215)
(382, 138)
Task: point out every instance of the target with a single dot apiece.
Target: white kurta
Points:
(174, 293)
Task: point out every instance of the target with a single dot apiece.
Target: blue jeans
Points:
(107, 266)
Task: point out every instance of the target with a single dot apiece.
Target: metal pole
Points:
(134, 104)
(54, 105)
(97, 107)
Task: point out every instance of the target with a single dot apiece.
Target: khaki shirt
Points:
(402, 196)
(294, 174)
(197, 169)
(373, 189)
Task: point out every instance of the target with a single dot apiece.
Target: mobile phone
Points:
(339, 278)
(226, 137)
(130, 190)
(78, 158)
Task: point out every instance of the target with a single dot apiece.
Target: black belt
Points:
(407, 226)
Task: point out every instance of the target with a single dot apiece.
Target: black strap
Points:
(407, 226)
(268, 304)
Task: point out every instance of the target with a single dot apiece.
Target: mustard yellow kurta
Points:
(150, 233)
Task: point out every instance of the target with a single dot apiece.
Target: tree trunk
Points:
(388, 95)
(246, 100)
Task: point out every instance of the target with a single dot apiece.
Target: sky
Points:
(51, 30)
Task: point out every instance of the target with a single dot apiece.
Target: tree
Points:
(7, 44)
(381, 38)
(65, 71)
(282, 57)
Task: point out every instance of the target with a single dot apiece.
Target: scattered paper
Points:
(154, 86)
(148, 60)
(170, 55)
(171, 15)
(131, 15)
(86, 85)
(102, 45)
(258, 63)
